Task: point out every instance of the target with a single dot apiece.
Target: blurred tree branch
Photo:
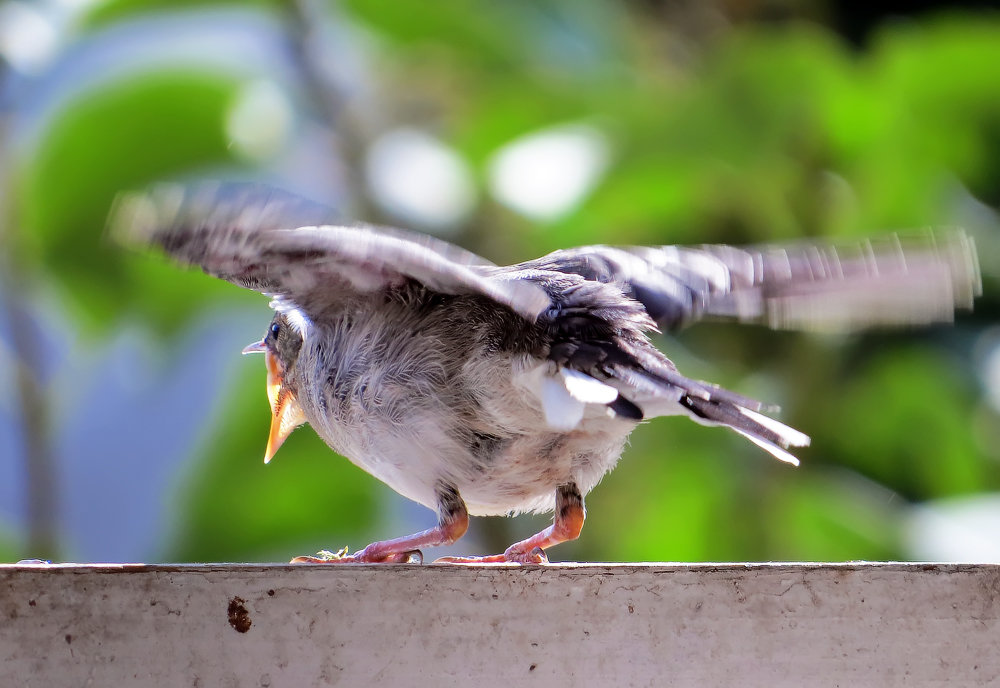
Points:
(308, 26)
(15, 282)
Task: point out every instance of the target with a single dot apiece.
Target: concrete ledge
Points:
(581, 625)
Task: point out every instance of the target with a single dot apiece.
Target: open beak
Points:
(286, 412)
(255, 348)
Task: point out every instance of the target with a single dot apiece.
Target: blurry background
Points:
(132, 430)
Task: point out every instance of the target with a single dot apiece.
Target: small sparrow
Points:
(477, 389)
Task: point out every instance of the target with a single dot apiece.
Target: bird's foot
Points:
(369, 555)
(513, 555)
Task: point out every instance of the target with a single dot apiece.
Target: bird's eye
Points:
(275, 329)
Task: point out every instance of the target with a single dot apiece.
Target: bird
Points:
(478, 389)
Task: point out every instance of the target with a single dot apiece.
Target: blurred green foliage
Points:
(120, 136)
(750, 132)
(230, 508)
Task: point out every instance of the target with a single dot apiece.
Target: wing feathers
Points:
(895, 280)
(244, 237)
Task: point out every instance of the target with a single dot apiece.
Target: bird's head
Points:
(280, 346)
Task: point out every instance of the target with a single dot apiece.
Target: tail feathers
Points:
(771, 448)
(768, 434)
(656, 370)
(651, 386)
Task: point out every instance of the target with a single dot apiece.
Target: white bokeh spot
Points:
(419, 179)
(958, 529)
(28, 37)
(547, 174)
(259, 122)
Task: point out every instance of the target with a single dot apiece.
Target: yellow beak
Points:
(286, 412)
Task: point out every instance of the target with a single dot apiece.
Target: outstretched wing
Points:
(594, 303)
(891, 281)
(244, 235)
(597, 332)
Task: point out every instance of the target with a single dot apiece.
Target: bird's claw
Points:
(413, 556)
(535, 556)
(324, 556)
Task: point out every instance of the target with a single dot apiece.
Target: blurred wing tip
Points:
(969, 260)
(136, 218)
(955, 249)
(899, 280)
(129, 221)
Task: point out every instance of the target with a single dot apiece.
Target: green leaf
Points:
(120, 136)
(102, 14)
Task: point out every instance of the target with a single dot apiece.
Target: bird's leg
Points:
(453, 521)
(566, 525)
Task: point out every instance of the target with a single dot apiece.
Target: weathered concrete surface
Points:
(594, 625)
